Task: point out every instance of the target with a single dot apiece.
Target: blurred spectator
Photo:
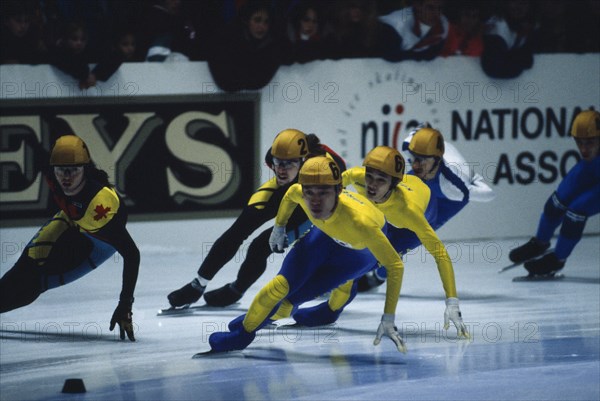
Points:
(124, 44)
(507, 41)
(465, 33)
(167, 33)
(69, 53)
(305, 32)
(568, 27)
(355, 31)
(53, 23)
(249, 53)
(586, 29)
(552, 35)
(385, 7)
(21, 33)
(421, 31)
(71, 56)
(208, 19)
(121, 47)
(95, 16)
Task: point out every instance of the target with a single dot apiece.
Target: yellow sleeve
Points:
(413, 218)
(346, 178)
(354, 176)
(101, 210)
(420, 226)
(262, 195)
(385, 254)
(290, 200)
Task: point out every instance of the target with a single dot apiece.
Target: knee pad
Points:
(342, 296)
(278, 288)
(554, 209)
(265, 301)
(285, 310)
(573, 225)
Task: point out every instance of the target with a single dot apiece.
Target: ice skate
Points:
(548, 265)
(528, 251)
(224, 296)
(186, 295)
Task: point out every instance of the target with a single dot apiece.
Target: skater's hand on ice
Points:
(278, 239)
(122, 317)
(388, 329)
(453, 314)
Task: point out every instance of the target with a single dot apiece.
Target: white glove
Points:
(387, 328)
(453, 314)
(278, 239)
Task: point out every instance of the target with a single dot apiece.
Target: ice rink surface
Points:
(531, 340)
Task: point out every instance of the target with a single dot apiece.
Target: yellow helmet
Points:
(320, 170)
(586, 124)
(387, 160)
(290, 144)
(69, 150)
(427, 142)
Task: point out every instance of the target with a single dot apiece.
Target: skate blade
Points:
(539, 278)
(298, 326)
(187, 309)
(175, 310)
(214, 354)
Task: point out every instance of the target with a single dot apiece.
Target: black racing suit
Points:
(87, 230)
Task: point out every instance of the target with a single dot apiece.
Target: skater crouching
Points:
(576, 198)
(87, 231)
(285, 157)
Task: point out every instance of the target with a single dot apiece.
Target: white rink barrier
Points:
(513, 132)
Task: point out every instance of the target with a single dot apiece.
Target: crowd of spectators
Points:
(245, 41)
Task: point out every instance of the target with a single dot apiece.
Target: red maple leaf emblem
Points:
(101, 212)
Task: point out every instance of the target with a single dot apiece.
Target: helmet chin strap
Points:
(338, 191)
(386, 195)
(435, 165)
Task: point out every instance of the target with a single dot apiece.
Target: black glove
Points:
(122, 317)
